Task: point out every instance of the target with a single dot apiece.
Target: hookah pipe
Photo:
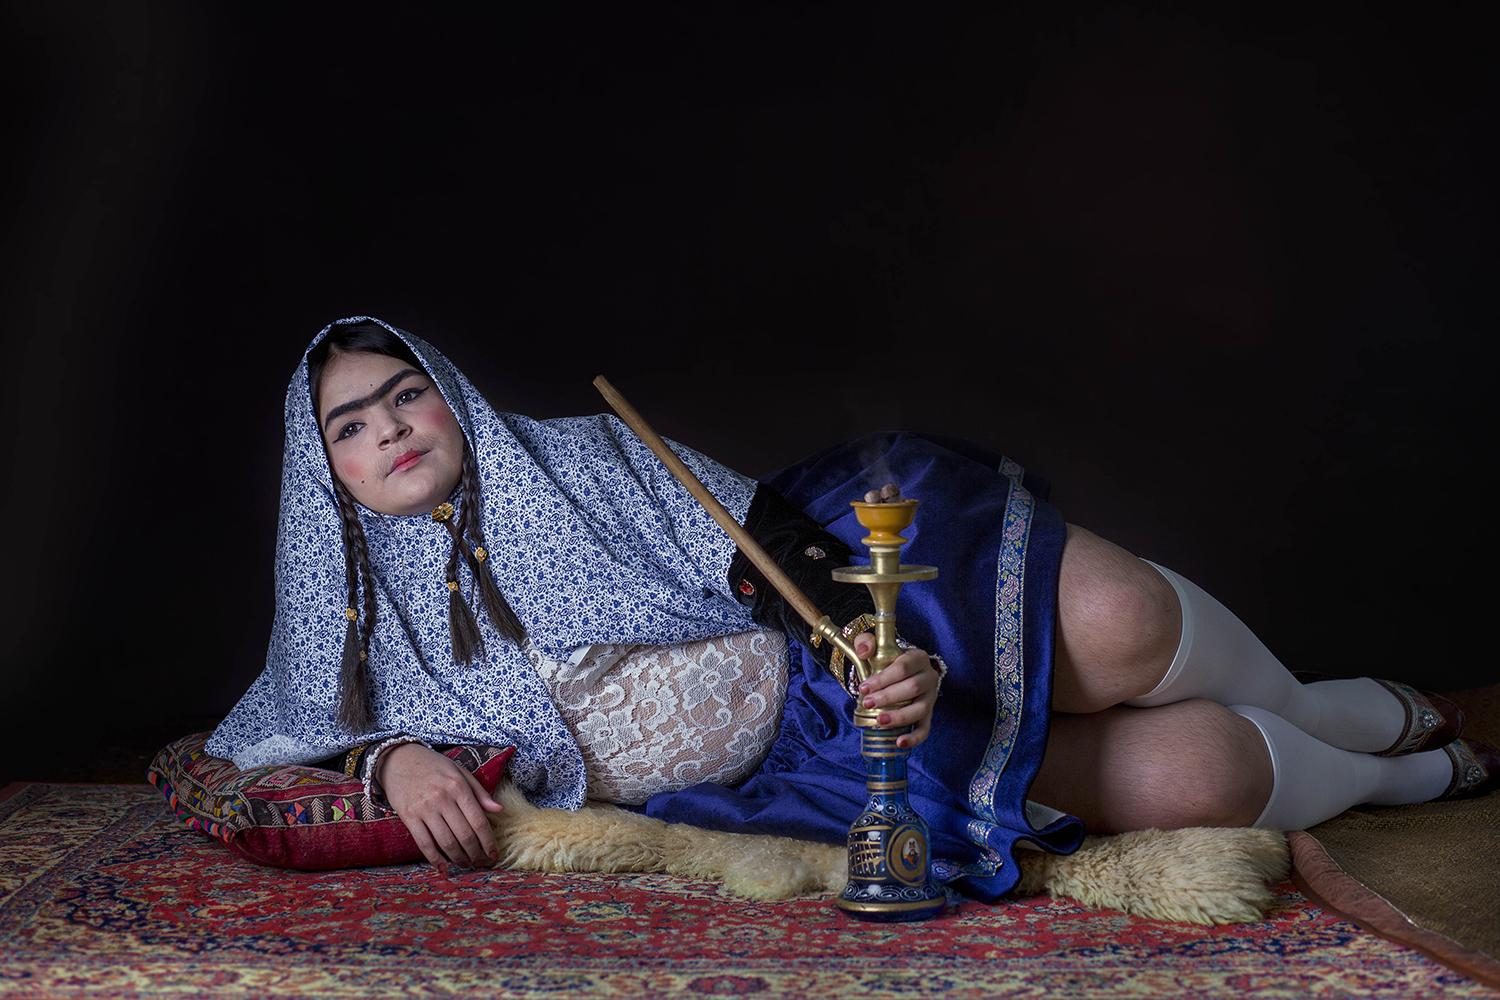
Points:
(890, 871)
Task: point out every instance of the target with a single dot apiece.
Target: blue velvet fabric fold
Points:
(991, 613)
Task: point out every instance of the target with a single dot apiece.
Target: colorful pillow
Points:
(290, 816)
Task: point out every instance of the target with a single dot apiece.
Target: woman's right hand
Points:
(441, 804)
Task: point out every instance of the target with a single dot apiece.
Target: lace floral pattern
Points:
(661, 718)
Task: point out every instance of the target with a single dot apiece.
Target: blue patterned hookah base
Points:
(890, 868)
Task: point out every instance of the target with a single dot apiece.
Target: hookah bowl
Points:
(890, 869)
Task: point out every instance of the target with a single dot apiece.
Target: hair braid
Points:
(501, 616)
(462, 629)
(354, 684)
(367, 625)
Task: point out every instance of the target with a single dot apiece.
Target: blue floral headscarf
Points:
(593, 541)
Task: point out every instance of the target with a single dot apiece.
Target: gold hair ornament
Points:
(442, 511)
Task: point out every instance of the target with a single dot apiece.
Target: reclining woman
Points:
(447, 573)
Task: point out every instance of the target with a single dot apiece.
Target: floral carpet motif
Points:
(103, 893)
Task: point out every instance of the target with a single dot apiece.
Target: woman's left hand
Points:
(909, 677)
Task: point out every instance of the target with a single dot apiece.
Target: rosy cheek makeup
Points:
(440, 417)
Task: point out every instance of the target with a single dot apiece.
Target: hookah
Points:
(890, 866)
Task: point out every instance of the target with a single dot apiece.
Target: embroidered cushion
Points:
(300, 817)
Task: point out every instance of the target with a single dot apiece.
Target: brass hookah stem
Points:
(885, 560)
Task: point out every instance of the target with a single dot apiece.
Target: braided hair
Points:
(468, 541)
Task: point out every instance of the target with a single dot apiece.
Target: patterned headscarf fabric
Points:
(593, 541)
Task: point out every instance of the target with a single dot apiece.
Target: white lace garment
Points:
(661, 718)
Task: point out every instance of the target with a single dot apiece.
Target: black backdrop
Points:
(1220, 276)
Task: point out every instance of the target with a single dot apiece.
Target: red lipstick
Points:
(407, 460)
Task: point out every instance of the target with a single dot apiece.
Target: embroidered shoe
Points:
(1432, 721)
(1476, 769)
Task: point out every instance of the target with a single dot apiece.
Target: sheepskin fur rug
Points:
(1203, 875)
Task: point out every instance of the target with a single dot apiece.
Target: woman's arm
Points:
(442, 805)
(352, 761)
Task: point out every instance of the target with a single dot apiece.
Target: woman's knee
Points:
(1204, 765)
(1119, 624)
(1190, 763)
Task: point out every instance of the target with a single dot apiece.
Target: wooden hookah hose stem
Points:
(748, 545)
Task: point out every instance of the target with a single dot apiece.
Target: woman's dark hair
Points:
(468, 541)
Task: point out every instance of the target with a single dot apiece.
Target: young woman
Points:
(447, 573)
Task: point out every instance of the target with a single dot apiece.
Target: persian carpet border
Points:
(1320, 879)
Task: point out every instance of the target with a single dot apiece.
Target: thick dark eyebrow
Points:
(374, 397)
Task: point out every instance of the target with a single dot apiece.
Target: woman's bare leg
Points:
(1123, 755)
(1198, 763)
(1119, 622)
(1191, 763)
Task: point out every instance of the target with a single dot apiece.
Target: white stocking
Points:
(1219, 658)
(1314, 781)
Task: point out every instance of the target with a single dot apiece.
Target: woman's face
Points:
(391, 438)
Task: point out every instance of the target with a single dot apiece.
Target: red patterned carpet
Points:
(103, 893)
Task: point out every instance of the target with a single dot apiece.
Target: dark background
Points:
(1223, 277)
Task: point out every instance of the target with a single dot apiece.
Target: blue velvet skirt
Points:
(991, 614)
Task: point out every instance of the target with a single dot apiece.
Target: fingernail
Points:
(869, 703)
(864, 687)
(884, 719)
